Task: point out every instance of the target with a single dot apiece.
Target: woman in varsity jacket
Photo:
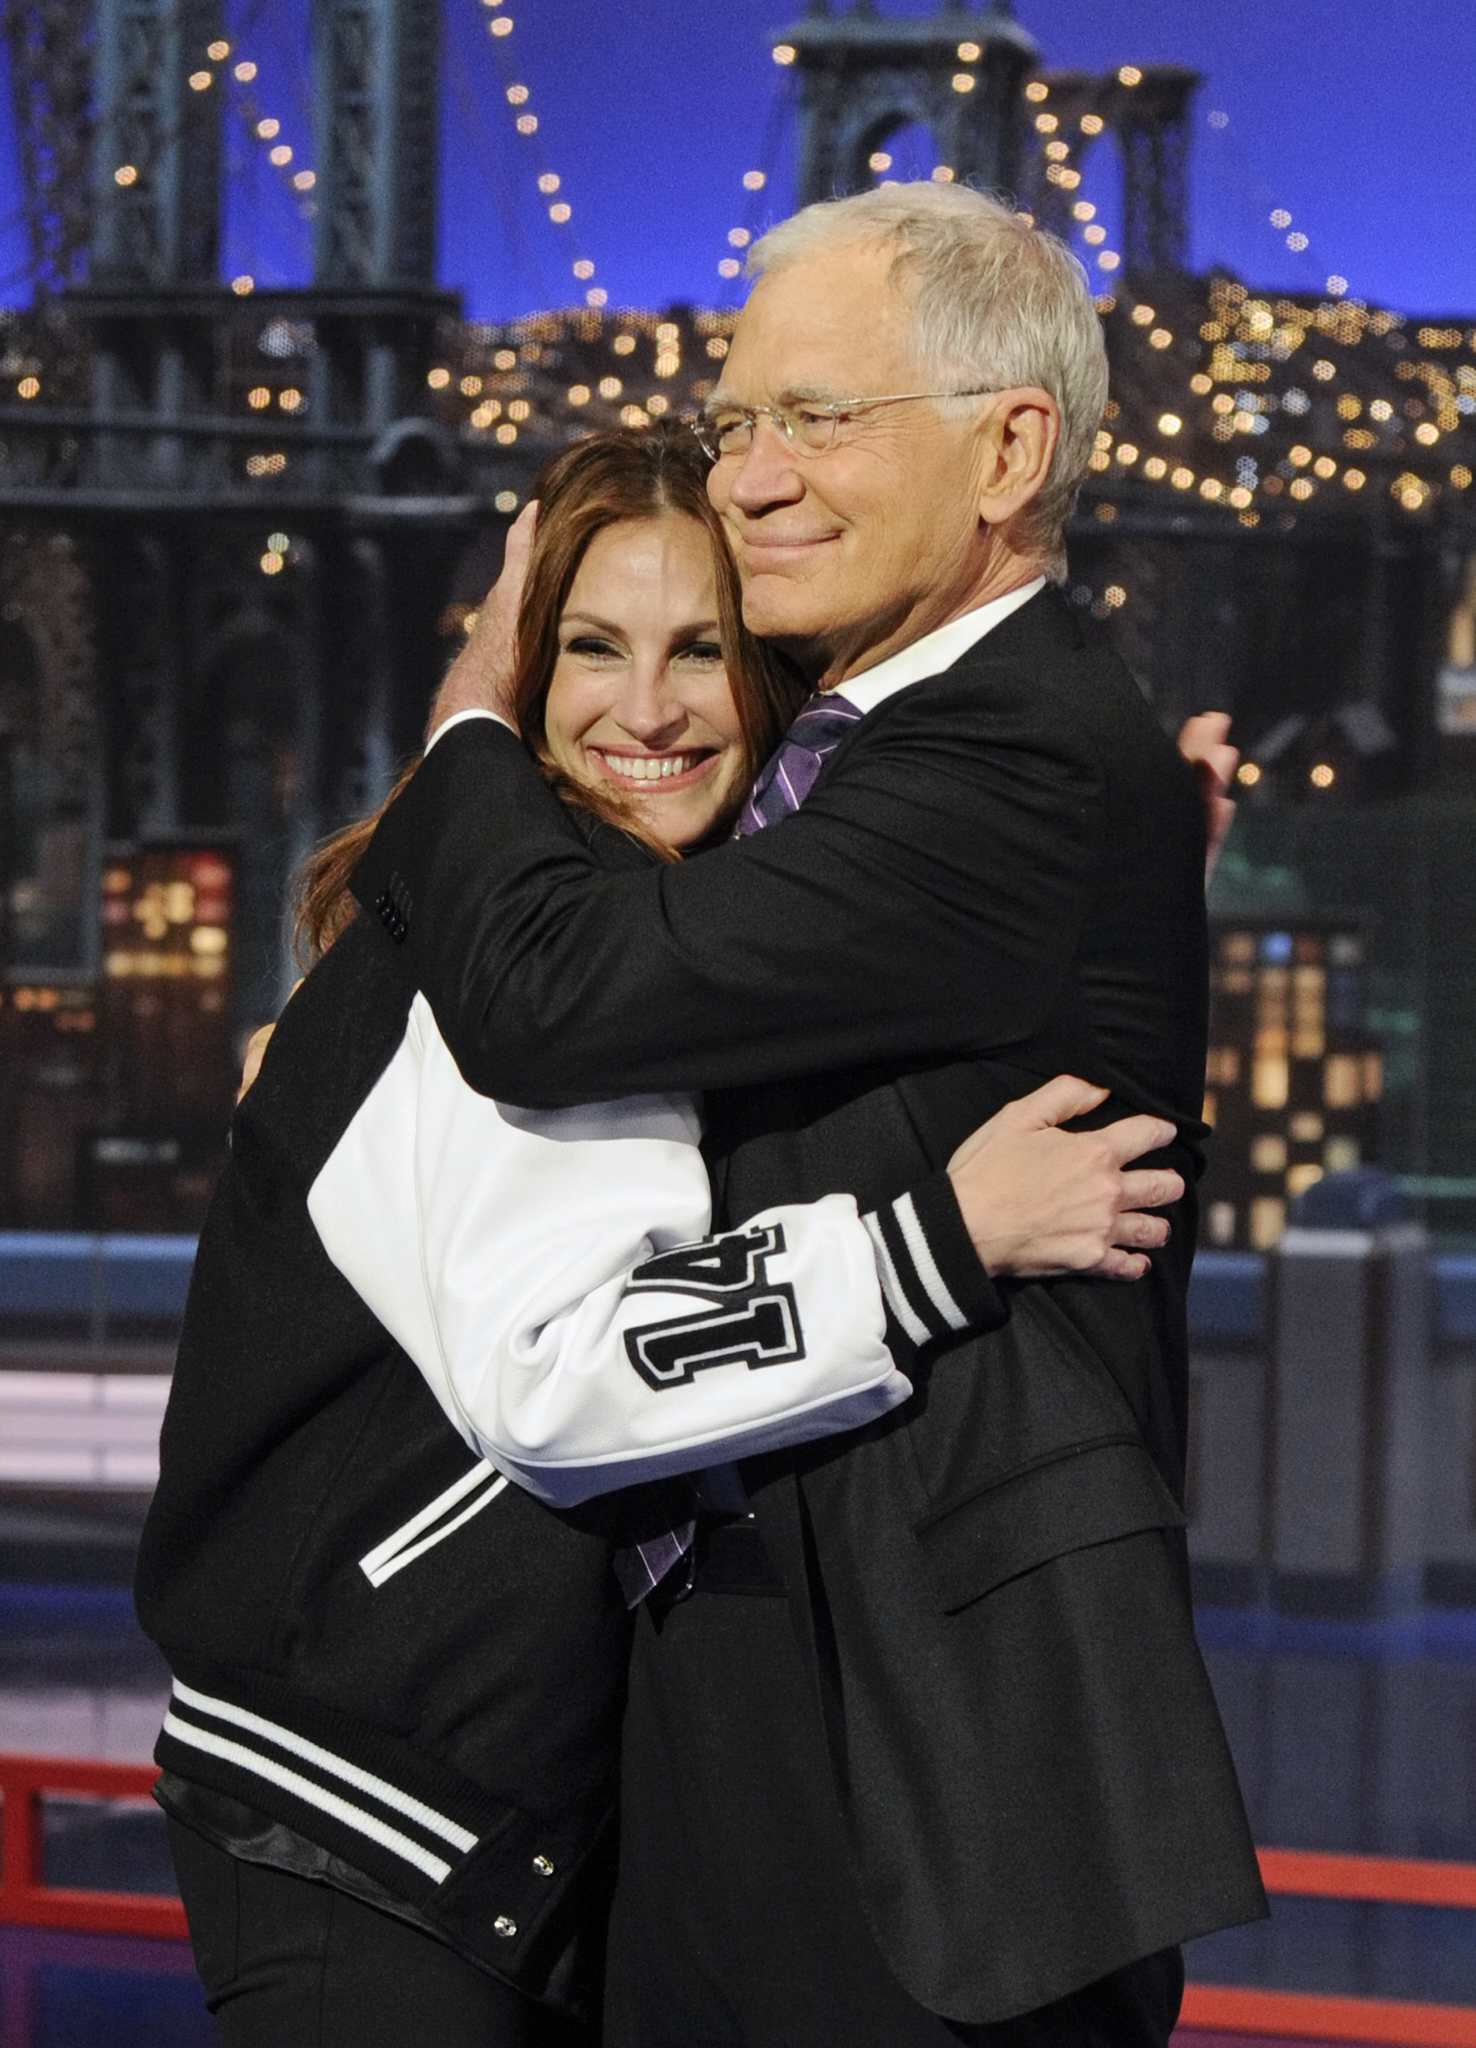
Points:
(429, 1336)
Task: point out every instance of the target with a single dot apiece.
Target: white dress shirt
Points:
(461, 717)
(935, 652)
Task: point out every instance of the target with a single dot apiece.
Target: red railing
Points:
(1324, 2016)
(25, 1897)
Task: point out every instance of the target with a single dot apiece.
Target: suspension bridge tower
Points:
(995, 118)
(862, 76)
(210, 427)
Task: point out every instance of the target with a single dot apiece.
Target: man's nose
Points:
(768, 474)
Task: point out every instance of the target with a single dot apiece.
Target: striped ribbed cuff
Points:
(932, 1278)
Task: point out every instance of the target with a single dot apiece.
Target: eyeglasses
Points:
(810, 429)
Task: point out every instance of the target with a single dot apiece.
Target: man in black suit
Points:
(927, 1753)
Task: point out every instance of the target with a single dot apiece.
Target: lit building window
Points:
(1290, 1079)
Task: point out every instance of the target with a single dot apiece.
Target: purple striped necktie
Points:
(782, 786)
(791, 771)
(640, 1567)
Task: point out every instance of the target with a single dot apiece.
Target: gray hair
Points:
(999, 302)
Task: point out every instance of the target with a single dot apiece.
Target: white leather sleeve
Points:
(552, 1275)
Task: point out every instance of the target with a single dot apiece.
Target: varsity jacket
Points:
(394, 1670)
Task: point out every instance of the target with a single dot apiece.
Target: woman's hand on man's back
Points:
(1039, 1201)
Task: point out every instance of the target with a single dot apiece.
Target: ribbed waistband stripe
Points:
(435, 1867)
(313, 1753)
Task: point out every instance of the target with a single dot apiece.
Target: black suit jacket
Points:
(997, 877)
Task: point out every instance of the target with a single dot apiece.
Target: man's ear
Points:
(1018, 440)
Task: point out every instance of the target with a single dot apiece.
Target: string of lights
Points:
(741, 235)
(500, 26)
(1248, 338)
(260, 126)
(1196, 421)
(1301, 391)
(1410, 491)
(1215, 370)
(1269, 207)
(754, 183)
(282, 340)
(1063, 139)
(262, 130)
(1246, 335)
(1229, 348)
(1222, 395)
(516, 242)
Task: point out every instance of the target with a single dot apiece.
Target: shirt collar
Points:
(935, 652)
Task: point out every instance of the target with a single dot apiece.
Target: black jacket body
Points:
(997, 877)
(393, 1670)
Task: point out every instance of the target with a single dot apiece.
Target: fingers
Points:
(497, 614)
(1219, 817)
(1135, 1232)
(1121, 1265)
(483, 674)
(1204, 741)
(1054, 1103)
(1216, 777)
(1058, 1101)
(519, 543)
(1151, 1187)
(1131, 1136)
(1201, 735)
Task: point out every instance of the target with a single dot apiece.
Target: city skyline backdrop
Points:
(650, 112)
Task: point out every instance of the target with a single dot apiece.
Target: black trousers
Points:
(287, 1963)
(736, 1921)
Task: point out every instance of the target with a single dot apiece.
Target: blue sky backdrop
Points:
(1356, 117)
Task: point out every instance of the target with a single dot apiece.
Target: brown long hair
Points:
(594, 483)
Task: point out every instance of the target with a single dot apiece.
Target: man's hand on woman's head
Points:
(1040, 1201)
(481, 677)
(1204, 741)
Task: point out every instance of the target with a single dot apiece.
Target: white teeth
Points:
(649, 767)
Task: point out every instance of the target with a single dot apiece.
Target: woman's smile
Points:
(627, 767)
